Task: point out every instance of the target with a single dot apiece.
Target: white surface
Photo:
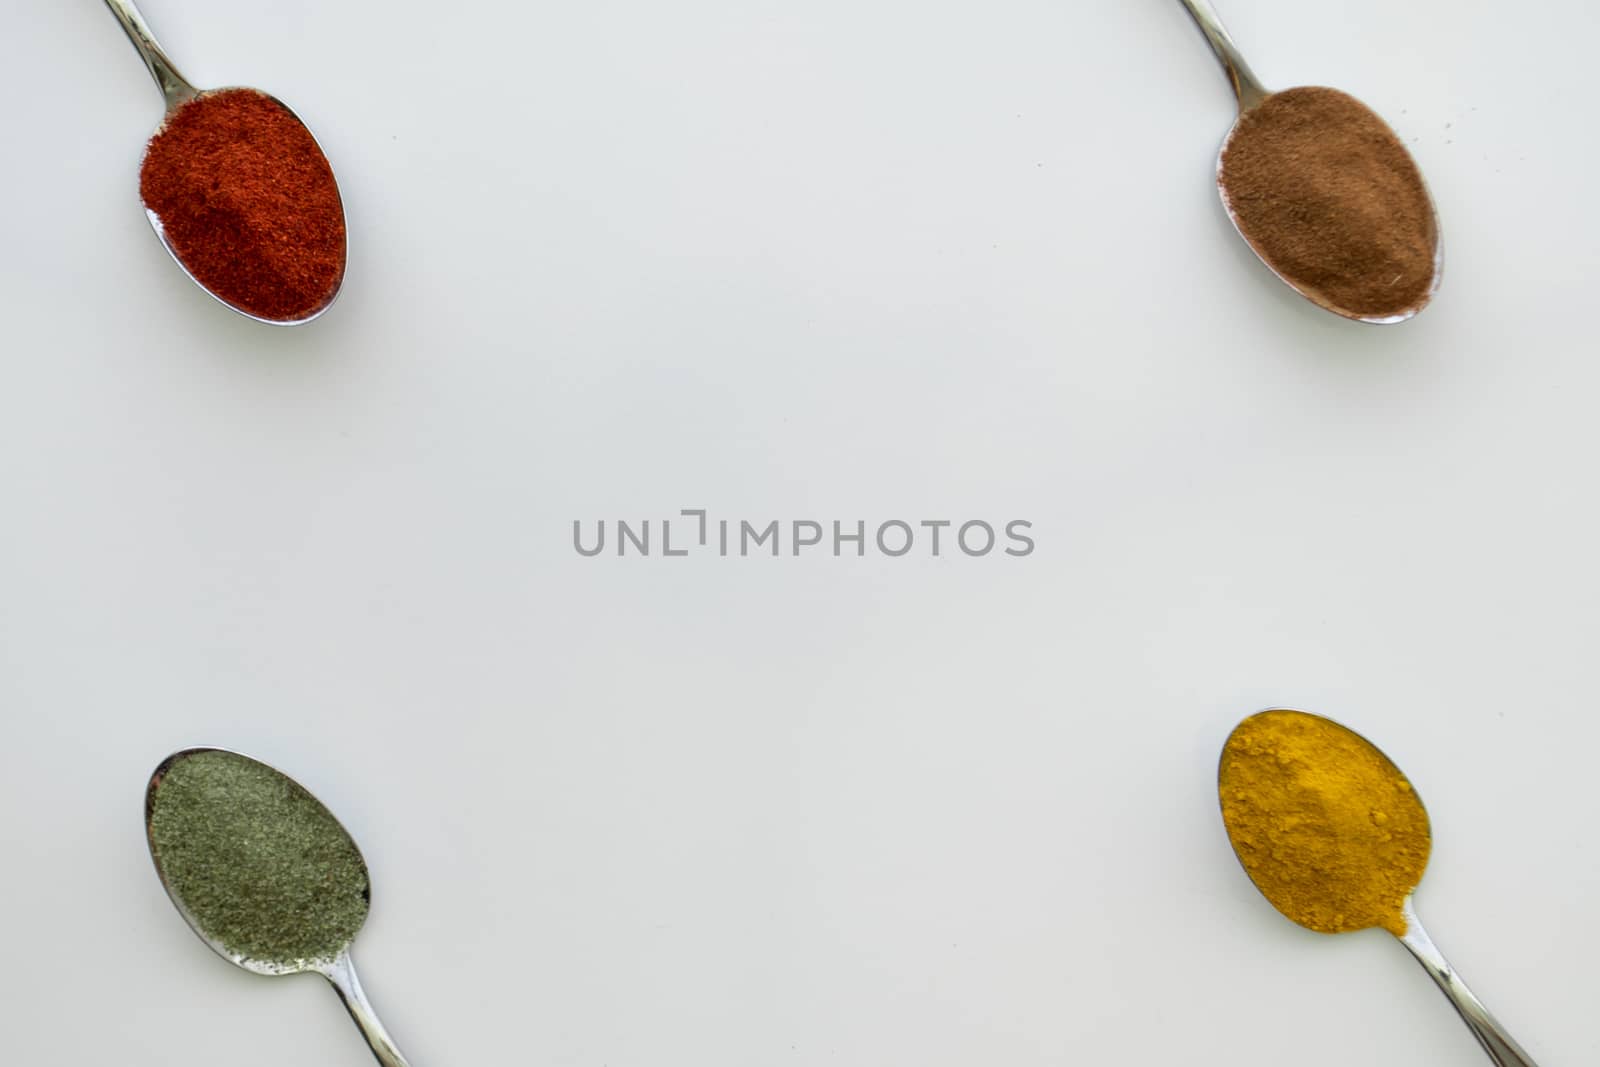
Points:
(833, 260)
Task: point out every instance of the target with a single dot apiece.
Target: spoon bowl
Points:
(208, 919)
(1251, 94)
(178, 93)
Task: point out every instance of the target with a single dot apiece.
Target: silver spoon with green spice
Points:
(263, 873)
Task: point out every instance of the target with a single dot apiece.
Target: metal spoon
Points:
(1490, 1034)
(337, 969)
(1485, 1027)
(1250, 92)
(177, 91)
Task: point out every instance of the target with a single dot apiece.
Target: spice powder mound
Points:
(1326, 827)
(256, 862)
(1328, 196)
(248, 203)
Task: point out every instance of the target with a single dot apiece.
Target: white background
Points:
(833, 261)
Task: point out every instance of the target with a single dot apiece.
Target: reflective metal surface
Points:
(174, 86)
(1490, 1034)
(1246, 86)
(342, 973)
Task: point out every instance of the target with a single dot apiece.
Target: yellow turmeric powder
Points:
(1326, 827)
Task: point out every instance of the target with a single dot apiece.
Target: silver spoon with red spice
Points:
(240, 193)
(1325, 194)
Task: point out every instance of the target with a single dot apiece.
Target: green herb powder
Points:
(257, 862)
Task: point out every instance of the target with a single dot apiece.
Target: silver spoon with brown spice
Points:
(1325, 194)
(263, 873)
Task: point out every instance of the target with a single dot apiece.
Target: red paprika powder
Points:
(248, 203)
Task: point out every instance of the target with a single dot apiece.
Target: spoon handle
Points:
(342, 974)
(1490, 1034)
(1246, 86)
(174, 86)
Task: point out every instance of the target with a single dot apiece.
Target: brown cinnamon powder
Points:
(1325, 192)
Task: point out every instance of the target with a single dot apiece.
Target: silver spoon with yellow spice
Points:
(1325, 194)
(263, 873)
(1336, 839)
